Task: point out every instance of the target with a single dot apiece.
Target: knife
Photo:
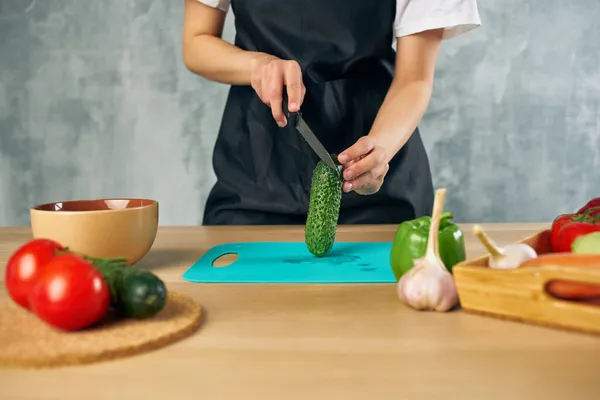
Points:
(296, 120)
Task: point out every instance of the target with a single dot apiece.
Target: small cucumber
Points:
(587, 244)
(323, 208)
(135, 292)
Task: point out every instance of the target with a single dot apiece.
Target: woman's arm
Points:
(410, 92)
(402, 109)
(205, 53)
(420, 26)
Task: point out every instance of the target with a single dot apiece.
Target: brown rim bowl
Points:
(105, 228)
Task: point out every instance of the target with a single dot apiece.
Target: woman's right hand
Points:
(268, 75)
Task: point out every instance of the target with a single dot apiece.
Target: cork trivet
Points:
(26, 341)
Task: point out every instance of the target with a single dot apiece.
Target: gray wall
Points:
(95, 102)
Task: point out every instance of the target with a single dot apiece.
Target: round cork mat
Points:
(26, 341)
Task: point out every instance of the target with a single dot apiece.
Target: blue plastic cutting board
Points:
(291, 262)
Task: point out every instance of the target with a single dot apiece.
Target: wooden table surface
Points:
(322, 341)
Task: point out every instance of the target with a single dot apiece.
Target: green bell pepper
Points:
(410, 243)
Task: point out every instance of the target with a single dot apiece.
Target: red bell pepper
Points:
(567, 228)
(593, 203)
(587, 216)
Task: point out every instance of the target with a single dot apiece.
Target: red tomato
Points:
(571, 231)
(24, 266)
(591, 216)
(593, 203)
(558, 223)
(70, 293)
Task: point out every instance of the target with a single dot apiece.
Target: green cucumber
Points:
(587, 244)
(323, 208)
(135, 292)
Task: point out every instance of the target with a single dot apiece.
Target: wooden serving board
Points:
(520, 294)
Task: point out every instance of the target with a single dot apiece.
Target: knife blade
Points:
(296, 120)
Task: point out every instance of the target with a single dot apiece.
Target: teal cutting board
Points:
(291, 262)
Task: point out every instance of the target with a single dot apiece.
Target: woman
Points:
(335, 60)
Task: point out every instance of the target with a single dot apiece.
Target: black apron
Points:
(344, 48)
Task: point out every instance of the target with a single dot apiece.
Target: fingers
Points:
(268, 85)
(372, 178)
(295, 87)
(365, 165)
(275, 102)
(361, 148)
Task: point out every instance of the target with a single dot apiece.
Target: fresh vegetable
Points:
(593, 203)
(410, 242)
(571, 231)
(569, 290)
(135, 292)
(567, 258)
(507, 257)
(428, 285)
(323, 208)
(69, 293)
(587, 244)
(588, 215)
(25, 265)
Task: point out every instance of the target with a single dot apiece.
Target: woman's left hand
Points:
(365, 165)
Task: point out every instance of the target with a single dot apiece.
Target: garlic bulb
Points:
(428, 285)
(508, 257)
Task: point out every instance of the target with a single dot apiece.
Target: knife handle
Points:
(284, 102)
(291, 116)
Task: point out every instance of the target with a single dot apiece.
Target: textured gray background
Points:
(95, 102)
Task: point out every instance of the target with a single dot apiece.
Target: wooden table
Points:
(322, 341)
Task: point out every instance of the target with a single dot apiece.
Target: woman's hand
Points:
(268, 75)
(365, 165)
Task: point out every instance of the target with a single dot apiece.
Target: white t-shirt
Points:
(413, 16)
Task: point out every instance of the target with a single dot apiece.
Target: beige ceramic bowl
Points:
(108, 228)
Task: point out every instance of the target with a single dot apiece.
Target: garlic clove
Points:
(513, 256)
(508, 257)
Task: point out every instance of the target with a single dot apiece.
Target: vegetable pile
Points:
(411, 241)
(574, 240)
(567, 229)
(428, 285)
(423, 254)
(72, 292)
(424, 245)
